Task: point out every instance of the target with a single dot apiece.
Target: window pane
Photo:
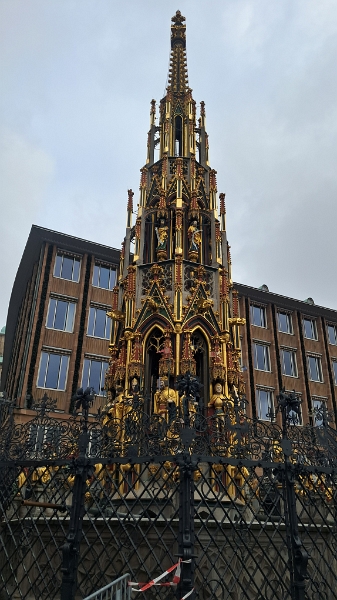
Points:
(91, 320)
(317, 404)
(85, 376)
(95, 277)
(108, 328)
(287, 363)
(264, 404)
(76, 270)
(315, 368)
(53, 371)
(70, 316)
(67, 268)
(58, 265)
(63, 373)
(258, 316)
(284, 322)
(95, 376)
(60, 315)
(332, 334)
(100, 323)
(309, 329)
(112, 278)
(334, 364)
(51, 313)
(104, 278)
(104, 368)
(261, 357)
(43, 368)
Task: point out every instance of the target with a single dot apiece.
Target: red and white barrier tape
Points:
(175, 580)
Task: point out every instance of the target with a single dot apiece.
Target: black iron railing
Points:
(249, 507)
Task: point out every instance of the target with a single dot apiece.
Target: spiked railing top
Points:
(178, 78)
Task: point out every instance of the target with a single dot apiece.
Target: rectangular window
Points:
(261, 357)
(317, 410)
(332, 334)
(99, 325)
(334, 367)
(258, 314)
(93, 375)
(104, 277)
(265, 405)
(284, 322)
(42, 438)
(289, 365)
(60, 315)
(309, 327)
(67, 267)
(315, 368)
(53, 371)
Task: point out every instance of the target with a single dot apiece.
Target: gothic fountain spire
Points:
(175, 309)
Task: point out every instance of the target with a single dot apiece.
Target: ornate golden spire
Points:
(178, 78)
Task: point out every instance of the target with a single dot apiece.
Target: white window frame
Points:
(316, 402)
(292, 351)
(101, 359)
(269, 391)
(334, 326)
(50, 352)
(289, 320)
(60, 299)
(41, 434)
(313, 328)
(320, 369)
(262, 307)
(73, 257)
(334, 362)
(107, 320)
(266, 356)
(109, 266)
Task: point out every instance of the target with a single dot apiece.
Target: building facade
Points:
(57, 334)
(289, 344)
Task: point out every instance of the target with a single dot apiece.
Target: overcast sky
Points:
(77, 77)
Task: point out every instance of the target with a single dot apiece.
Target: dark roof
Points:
(31, 253)
(304, 307)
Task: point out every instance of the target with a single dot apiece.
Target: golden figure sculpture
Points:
(194, 235)
(218, 400)
(165, 401)
(162, 235)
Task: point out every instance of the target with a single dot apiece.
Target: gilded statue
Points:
(218, 400)
(194, 235)
(162, 235)
(165, 401)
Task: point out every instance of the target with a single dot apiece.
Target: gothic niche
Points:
(200, 350)
(154, 353)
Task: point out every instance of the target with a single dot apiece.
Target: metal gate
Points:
(247, 509)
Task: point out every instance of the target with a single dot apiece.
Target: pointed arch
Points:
(202, 345)
(153, 343)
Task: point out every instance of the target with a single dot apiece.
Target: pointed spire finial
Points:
(178, 79)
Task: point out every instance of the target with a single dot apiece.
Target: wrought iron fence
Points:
(247, 509)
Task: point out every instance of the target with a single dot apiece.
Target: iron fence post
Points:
(298, 559)
(187, 467)
(82, 470)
